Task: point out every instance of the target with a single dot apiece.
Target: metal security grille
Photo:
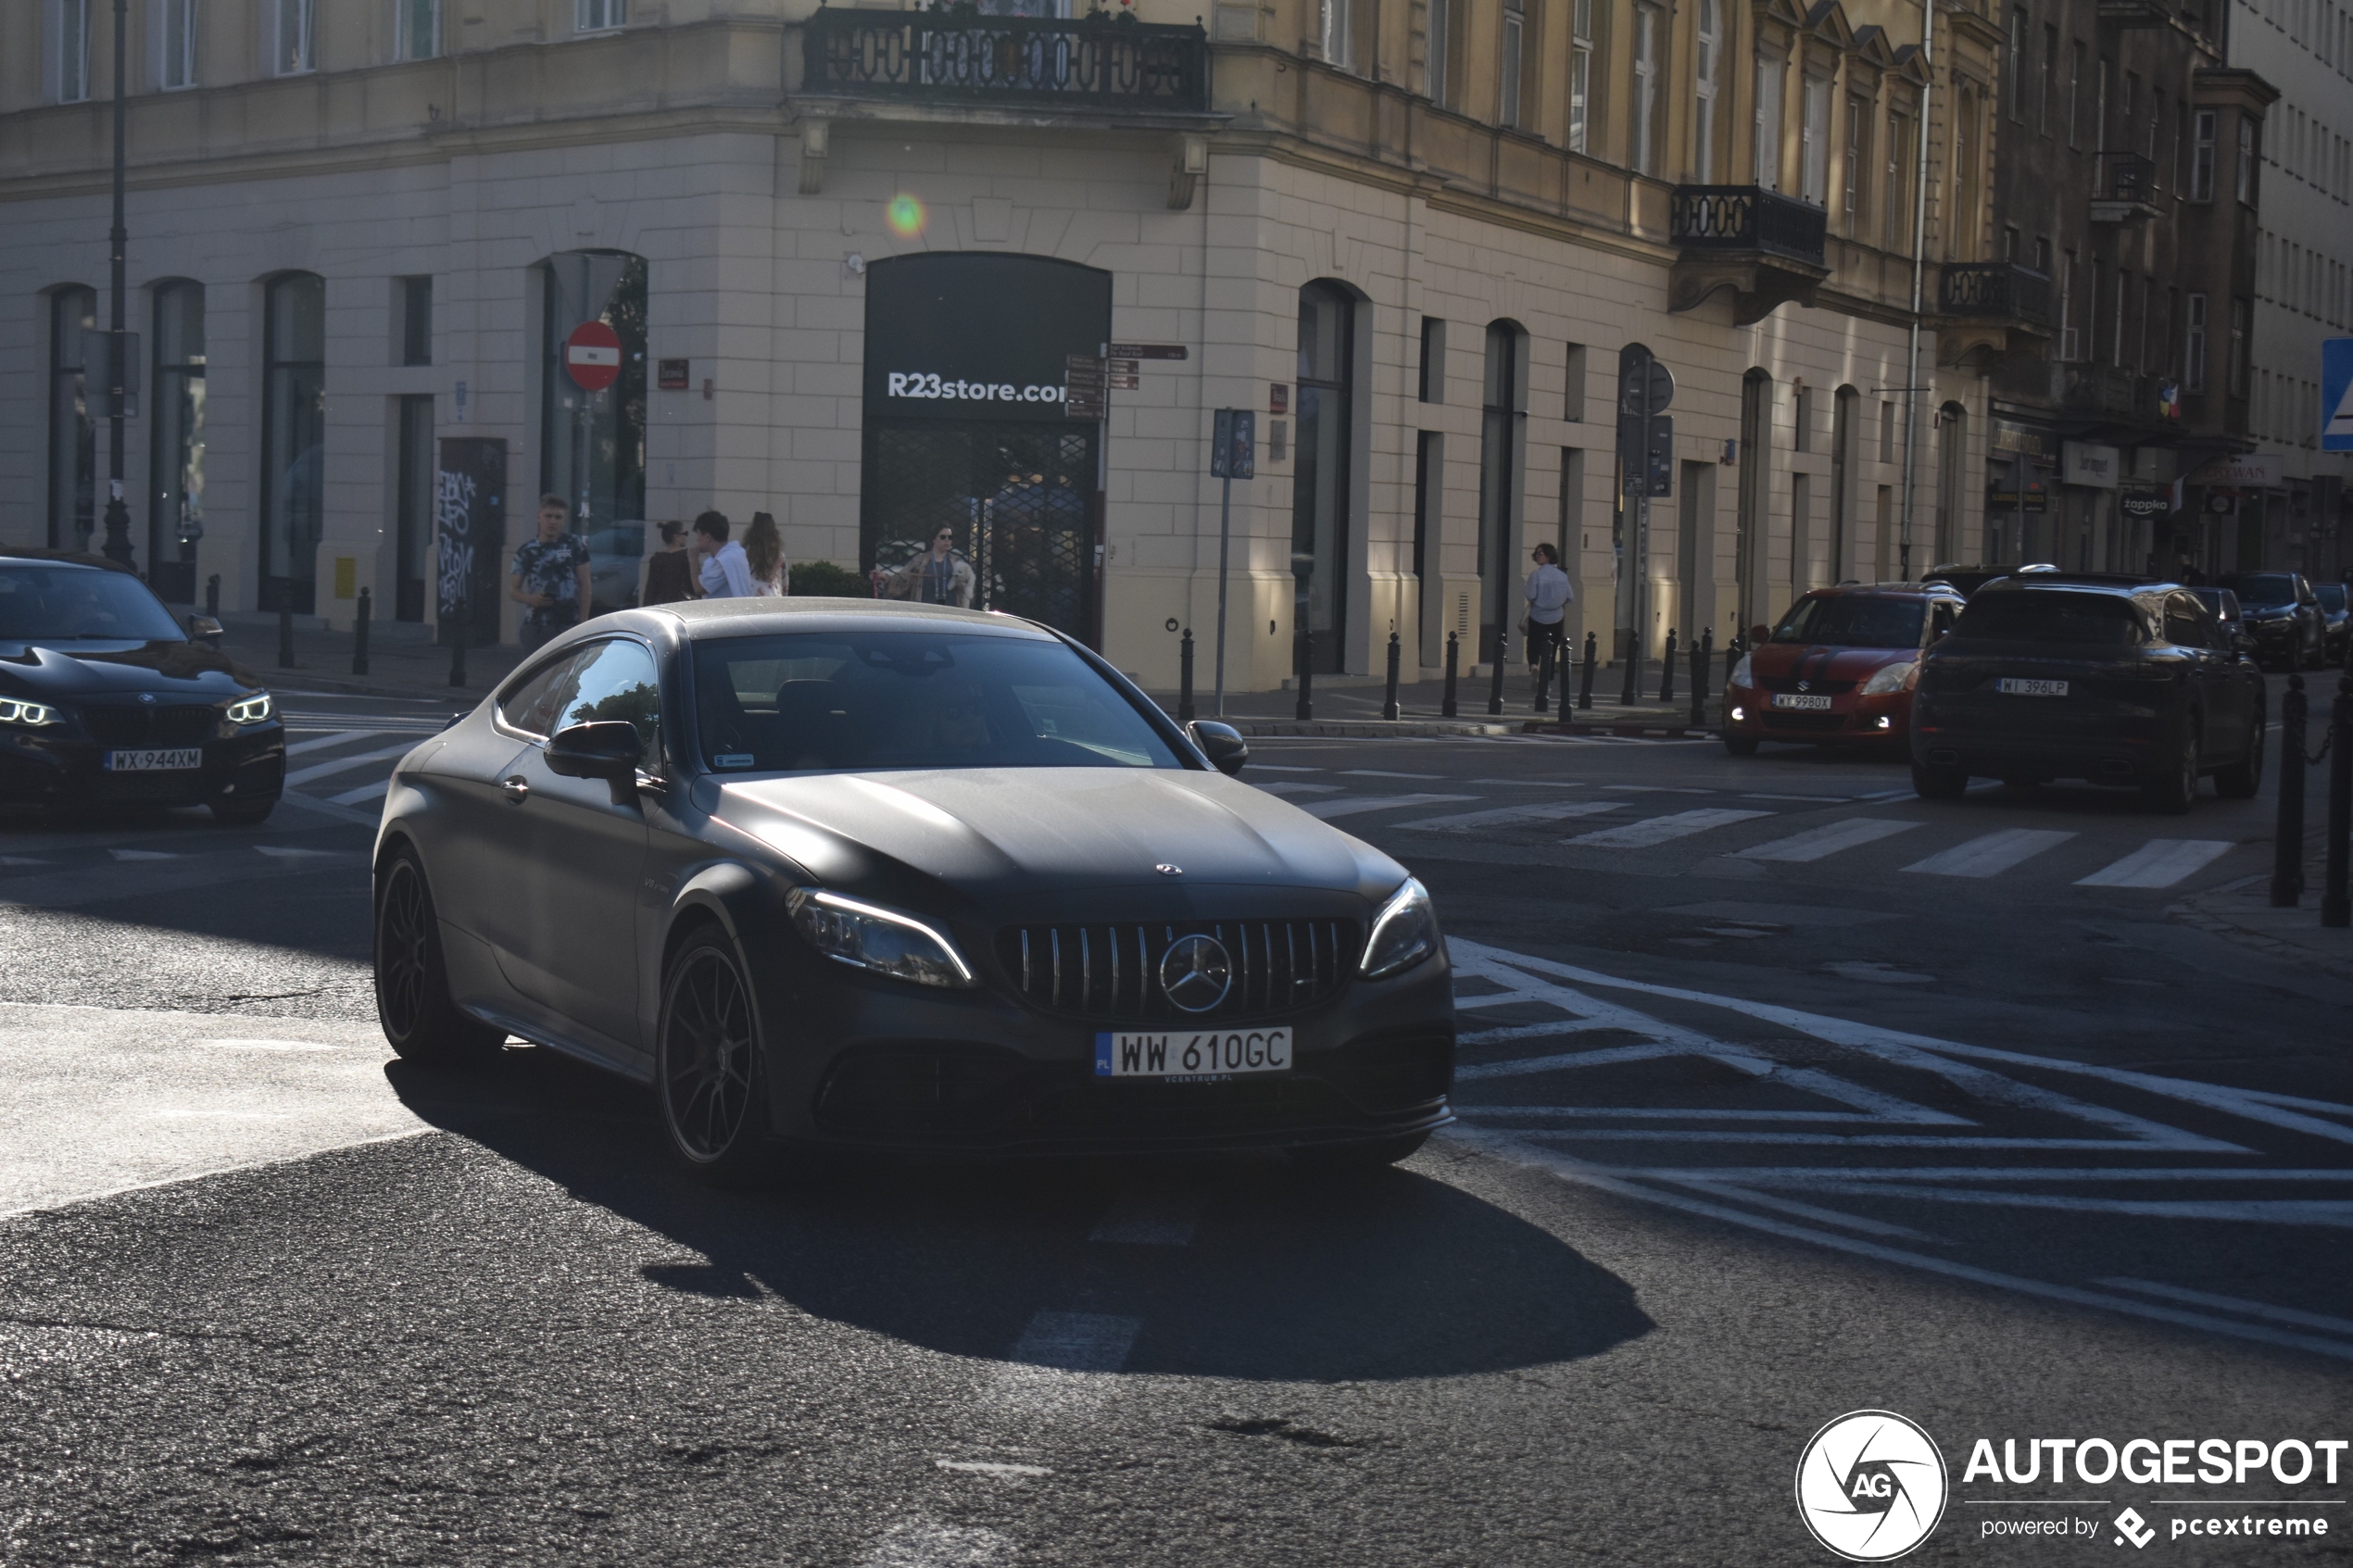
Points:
(1018, 497)
(1113, 972)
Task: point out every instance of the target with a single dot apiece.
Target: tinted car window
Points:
(2078, 619)
(604, 681)
(78, 604)
(1853, 620)
(2265, 589)
(532, 707)
(2331, 595)
(2185, 623)
(818, 702)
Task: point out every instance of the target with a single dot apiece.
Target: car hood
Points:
(82, 670)
(1012, 831)
(1822, 661)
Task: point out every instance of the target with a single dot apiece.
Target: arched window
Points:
(293, 439)
(74, 343)
(175, 469)
(1320, 506)
(592, 444)
(1502, 448)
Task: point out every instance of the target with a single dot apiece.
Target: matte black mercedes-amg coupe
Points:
(831, 871)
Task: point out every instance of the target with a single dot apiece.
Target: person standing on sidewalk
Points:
(938, 576)
(550, 578)
(726, 574)
(764, 555)
(670, 577)
(1549, 596)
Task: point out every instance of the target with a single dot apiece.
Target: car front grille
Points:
(145, 724)
(1113, 972)
(1790, 683)
(1775, 720)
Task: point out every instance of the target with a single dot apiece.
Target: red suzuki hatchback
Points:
(1839, 667)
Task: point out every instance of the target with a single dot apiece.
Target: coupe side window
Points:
(615, 680)
(533, 706)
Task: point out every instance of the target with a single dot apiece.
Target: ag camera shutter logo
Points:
(1871, 1485)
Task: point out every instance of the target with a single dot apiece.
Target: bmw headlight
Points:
(1892, 678)
(31, 714)
(1405, 932)
(252, 710)
(870, 937)
(1742, 676)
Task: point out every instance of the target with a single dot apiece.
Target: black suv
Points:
(2289, 626)
(2107, 679)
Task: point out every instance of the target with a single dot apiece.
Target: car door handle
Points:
(515, 790)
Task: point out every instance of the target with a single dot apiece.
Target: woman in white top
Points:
(764, 554)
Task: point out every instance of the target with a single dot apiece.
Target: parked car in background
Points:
(2110, 679)
(2225, 605)
(2338, 616)
(2285, 616)
(1839, 667)
(1965, 580)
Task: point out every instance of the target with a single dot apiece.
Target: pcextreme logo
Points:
(1871, 1485)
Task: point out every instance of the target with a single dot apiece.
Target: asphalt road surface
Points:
(1785, 1096)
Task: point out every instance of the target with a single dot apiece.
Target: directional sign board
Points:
(2337, 394)
(592, 356)
(1085, 393)
(1147, 351)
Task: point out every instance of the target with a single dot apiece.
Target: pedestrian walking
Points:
(670, 577)
(1549, 596)
(551, 577)
(725, 574)
(939, 576)
(764, 555)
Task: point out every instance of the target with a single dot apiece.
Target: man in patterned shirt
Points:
(551, 577)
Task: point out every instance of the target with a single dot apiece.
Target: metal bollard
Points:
(1454, 656)
(212, 596)
(1495, 680)
(1544, 674)
(1388, 706)
(1307, 674)
(1703, 655)
(1667, 670)
(2337, 909)
(1185, 679)
(457, 653)
(360, 618)
(286, 637)
(2287, 842)
(1585, 675)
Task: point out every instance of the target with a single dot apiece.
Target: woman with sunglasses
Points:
(938, 576)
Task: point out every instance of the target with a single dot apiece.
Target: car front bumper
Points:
(66, 769)
(1850, 717)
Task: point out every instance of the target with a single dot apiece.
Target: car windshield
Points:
(64, 604)
(2331, 595)
(2077, 619)
(866, 700)
(1853, 620)
(2266, 590)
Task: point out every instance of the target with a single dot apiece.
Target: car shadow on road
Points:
(1247, 1269)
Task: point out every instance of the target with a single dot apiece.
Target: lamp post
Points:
(117, 545)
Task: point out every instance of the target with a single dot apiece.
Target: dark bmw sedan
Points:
(2115, 681)
(830, 871)
(106, 701)
(2285, 616)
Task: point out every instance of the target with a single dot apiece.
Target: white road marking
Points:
(2161, 862)
(1285, 786)
(1991, 854)
(928, 1543)
(345, 764)
(295, 798)
(1660, 830)
(1385, 773)
(2233, 1304)
(322, 743)
(1352, 805)
(377, 791)
(1063, 1363)
(1876, 972)
(23, 861)
(268, 1045)
(141, 855)
(1149, 1219)
(1542, 811)
(1816, 844)
(1533, 784)
(1279, 768)
(285, 852)
(995, 1470)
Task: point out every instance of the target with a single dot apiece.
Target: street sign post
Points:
(2337, 394)
(1233, 454)
(1646, 459)
(1086, 391)
(592, 356)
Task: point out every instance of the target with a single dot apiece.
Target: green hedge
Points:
(824, 580)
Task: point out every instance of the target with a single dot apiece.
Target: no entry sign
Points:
(592, 356)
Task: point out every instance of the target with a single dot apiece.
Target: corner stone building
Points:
(848, 253)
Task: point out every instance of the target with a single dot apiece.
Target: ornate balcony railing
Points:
(2106, 392)
(2000, 290)
(1082, 63)
(2126, 177)
(1718, 218)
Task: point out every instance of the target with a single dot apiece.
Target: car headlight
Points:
(1405, 932)
(1892, 678)
(870, 937)
(252, 710)
(33, 714)
(1742, 676)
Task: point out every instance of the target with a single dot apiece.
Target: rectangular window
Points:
(1814, 142)
(1331, 29)
(2075, 94)
(416, 24)
(603, 16)
(74, 343)
(2242, 329)
(1433, 367)
(2247, 159)
(2155, 125)
(416, 320)
(2017, 63)
(175, 43)
(1573, 390)
(69, 50)
(2202, 157)
(293, 37)
(2050, 78)
(1515, 35)
(1858, 139)
(1768, 122)
(1434, 57)
(1802, 416)
(2116, 329)
(2067, 335)
(1580, 72)
(2193, 344)
(2043, 254)
(1649, 23)
(1895, 211)
(1710, 37)
(1886, 431)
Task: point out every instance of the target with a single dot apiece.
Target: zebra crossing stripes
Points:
(2161, 862)
(1653, 831)
(1991, 854)
(1500, 816)
(345, 764)
(1816, 844)
(1352, 805)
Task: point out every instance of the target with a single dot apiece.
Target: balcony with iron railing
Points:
(2124, 188)
(2002, 290)
(1747, 218)
(1094, 63)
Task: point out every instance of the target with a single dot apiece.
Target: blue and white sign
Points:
(2337, 394)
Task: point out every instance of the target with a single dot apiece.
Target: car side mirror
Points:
(1222, 744)
(608, 749)
(205, 629)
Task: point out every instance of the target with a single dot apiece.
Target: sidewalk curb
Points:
(1624, 731)
(2198, 910)
(1369, 729)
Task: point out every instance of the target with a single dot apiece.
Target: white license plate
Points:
(2012, 685)
(1184, 1054)
(1791, 699)
(154, 761)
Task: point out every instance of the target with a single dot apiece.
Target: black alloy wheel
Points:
(1931, 782)
(2243, 780)
(707, 1067)
(2176, 790)
(413, 1007)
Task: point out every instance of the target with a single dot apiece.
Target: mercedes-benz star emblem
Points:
(1195, 973)
(1165, 869)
